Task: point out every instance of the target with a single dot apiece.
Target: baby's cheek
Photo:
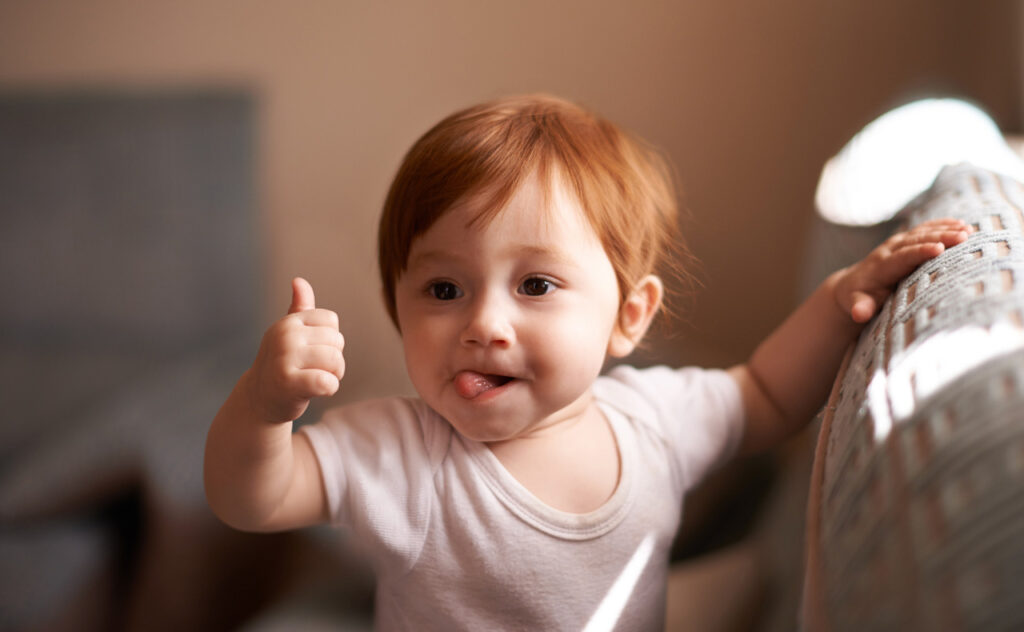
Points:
(421, 355)
(579, 347)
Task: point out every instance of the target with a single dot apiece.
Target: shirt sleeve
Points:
(698, 411)
(377, 459)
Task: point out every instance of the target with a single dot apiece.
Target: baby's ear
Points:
(635, 316)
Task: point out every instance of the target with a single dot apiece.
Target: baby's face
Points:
(506, 324)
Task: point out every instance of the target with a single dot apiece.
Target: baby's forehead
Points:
(550, 194)
(545, 208)
(533, 222)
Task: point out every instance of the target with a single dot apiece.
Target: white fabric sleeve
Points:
(377, 466)
(698, 411)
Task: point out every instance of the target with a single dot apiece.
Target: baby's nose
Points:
(489, 323)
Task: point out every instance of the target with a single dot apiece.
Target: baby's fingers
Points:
(324, 336)
(948, 236)
(904, 252)
(317, 318)
(323, 357)
(905, 259)
(950, 223)
(863, 288)
(310, 383)
(864, 307)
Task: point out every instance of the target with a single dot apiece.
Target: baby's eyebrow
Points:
(434, 257)
(547, 252)
(551, 253)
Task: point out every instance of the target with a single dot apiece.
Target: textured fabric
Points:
(458, 543)
(917, 501)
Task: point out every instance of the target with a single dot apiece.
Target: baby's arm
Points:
(258, 475)
(788, 377)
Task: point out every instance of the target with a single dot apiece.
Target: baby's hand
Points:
(861, 288)
(300, 358)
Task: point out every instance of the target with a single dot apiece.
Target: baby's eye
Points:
(536, 286)
(444, 291)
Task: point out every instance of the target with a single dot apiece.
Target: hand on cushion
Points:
(861, 288)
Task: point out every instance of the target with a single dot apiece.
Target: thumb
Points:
(863, 308)
(302, 296)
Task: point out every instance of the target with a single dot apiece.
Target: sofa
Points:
(916, 504)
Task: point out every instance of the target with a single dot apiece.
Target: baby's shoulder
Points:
(697, 411)
(405, 422)
(656, 392)
(656, 383)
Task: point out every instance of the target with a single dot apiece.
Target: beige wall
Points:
(748, 98)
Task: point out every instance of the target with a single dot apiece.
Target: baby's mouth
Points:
(470, 384)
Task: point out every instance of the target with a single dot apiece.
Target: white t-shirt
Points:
(459, 544)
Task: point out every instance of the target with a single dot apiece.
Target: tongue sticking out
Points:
(470, 384)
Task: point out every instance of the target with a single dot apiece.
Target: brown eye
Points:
(535, 286)
(445, 291)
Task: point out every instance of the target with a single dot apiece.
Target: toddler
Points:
(519, 250)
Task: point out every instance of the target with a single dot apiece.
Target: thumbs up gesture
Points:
(300, 358)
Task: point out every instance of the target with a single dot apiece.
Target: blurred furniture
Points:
(128, 241)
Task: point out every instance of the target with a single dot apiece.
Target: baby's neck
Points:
(572, 467)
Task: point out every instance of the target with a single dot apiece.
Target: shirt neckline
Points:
(562, 524)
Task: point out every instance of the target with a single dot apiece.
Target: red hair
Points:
(624, 187)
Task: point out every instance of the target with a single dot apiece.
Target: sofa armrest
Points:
(917, 495)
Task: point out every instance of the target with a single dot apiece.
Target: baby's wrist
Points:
(252, 399)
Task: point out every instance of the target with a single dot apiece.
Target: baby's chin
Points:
(484, 434)
(497, 433)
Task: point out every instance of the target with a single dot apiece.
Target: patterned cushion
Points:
(917, 497)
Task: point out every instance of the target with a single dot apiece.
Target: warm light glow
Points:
(925, 368)
(878, 404)
(898, 155)
(607, 614)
